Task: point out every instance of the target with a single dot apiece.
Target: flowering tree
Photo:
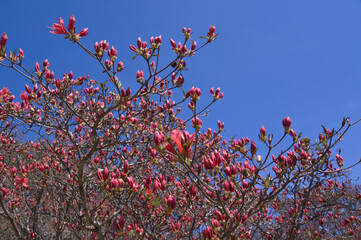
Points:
(108, 162)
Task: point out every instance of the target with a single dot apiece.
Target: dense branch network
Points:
(108, 162)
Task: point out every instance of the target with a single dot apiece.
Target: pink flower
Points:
(113, 183)
(126, 167)
(171, 202)
(112, 53)
(83, 32)
(176, 136)
(37, 68)
(196, 123)
(120, 224)
(139, 42)
(286, 122)
(211, 31)
(263, 135)
(172, 42)
(139, 75)
(134, 49)
(71, 23)
(105, 174)
(3, 40)
(339, 160)
(208, 233)
(21, 54)
(194, 45)
(159, 138)
(100, 175)
(244, 218)
(253, 148)
(120, 66)
(59, 28)
(22, 181)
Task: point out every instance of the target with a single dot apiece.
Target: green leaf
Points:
(267, 182)
(183, 92)
(203, 37)
(156, 202)
(134, 56)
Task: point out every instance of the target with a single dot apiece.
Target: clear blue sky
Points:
(272, 59)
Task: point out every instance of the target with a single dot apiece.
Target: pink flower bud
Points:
(108, 64)
(171, 202)
(286, 122)
(139, 42)
(183, 49)
(104, 45)
(244, 218)
(126, 167)
(228, 171)
(211, 31)
(215, 223)
(134, 49)
(120, 66)
(194, 93)
(339, 160)
(196, 123)
(46, 64)
(128, 92)
(83, 32)
(130, 181)
(253, 148)
(21, 54)
(37, 68)
(244, 184)
(151, 40)
(100, 175)
(71, 23)
(263, 135)
(96, 46)
(172, 42)
(24, 96)
(194, 45)
(113, 183)
(208, 233)
(105, 174)
(158, 40)
(173, 227)
(70, 75)
(159, 138)
(3, 40)
(112, 53)
(28, 89)
(120, 224)
(193, 191)
(139, 75)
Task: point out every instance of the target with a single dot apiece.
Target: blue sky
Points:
(272, 59)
